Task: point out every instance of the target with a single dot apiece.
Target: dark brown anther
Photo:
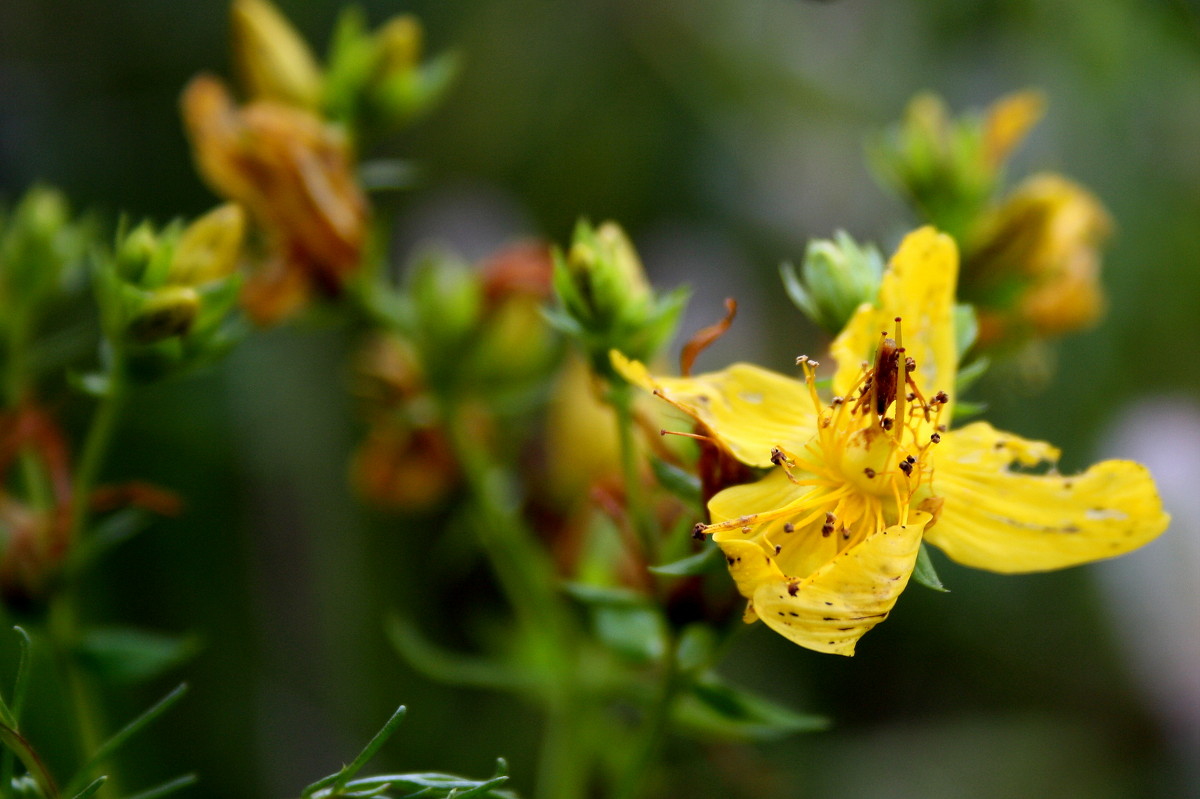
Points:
(827, 529)
(940, 398)
(936, 438)
(746, 530)
(886, 423)
(777, 457)
(836, 401)
(906, 467)
(910, 364)
(911, 459)
(910, 396)
(698, 532)
(793, 588)
(869, 472)
(884, 375)
(778, 548)
(942, 428)
(789, 528)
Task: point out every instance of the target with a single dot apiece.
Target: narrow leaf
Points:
(166, 788)
(706, 561)
(682, 484)
(92, 787)
(370, 749)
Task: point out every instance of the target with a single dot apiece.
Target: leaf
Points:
(968, 375)
(165, 788)
(637, 633)
(91, 788)
(127, 655)
(682, 484)
(609, 595)
(706, 561)
(713, 708)
(925, 574)
(966, 328)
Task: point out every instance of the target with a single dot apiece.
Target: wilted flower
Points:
(295, 175)
(1033, 264)
(823, 546)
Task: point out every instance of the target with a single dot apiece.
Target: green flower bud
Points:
(163, 313)
(836, 277)
(39, 241)
(136, 252)
(605, 301)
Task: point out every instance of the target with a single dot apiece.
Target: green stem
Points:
(95, 447)
(63, 633)
(527, 578)
(620, 397)
(654, 727)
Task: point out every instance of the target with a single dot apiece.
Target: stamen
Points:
(696, 436)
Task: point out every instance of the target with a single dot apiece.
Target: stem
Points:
(620, 397)
(655, 726)
(526, 575)
(62, 630)
(95, 447)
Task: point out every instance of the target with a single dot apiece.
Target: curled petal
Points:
(750, 411)
(1012, 522)
(836, 605)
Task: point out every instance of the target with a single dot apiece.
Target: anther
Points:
(886, 423)
(778, 548)
(910, 364)
(911, 459)
(940, 398)
(789, 528)
(793, 588)
(906, 467)
(910, 396)
(836, 401)
(827, 529)
(942, 428)
(698, 532)
(746, 530)
(936, 438)
(869, 472)
(777, 456)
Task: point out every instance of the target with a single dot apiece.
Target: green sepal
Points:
(713, 709)
(924, 573)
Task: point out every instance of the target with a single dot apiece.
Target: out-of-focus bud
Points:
(137, 252)
(272, 61)
(1033, 267)
(948, 167)
(163, 313)
(295, 175)
(577, 414)
(404, 468)
(209, 247)
(376, 82)
(516, 344)
(605, 301)
(837, 276)
(447, 302)
(38, 243)
(398, 45)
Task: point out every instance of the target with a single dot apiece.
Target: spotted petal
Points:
(834, 606)
(1005, 521)
(918, 287)
(749, 410)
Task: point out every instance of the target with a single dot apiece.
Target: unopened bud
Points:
(272, 59)
(164, 313)
(208, 249)
(398, 45)
(837, 276)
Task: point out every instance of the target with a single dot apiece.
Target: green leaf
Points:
(965, 410)
(924, 572)
(109, 747)
(91, 788)
(968, 375)
(166, 788)
(636, 633)
(682, 484)
(449, 667)
(966, 328)
(606, 595)
(123, 654)
(711, 708)
(707, 561)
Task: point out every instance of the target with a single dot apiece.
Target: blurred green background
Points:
(722, 135)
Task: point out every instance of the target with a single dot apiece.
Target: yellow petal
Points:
(1013, 522)
(830, 610)
(804, 549)
(750, 566)
(918, 287)
(1008, 121)
(749, 410)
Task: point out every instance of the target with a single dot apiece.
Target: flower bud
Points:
(272, 61)
(605, 301)
(163, 313)
(398, 45)
(39, 241)
(837, 276)
(209, 247)
(136, 252)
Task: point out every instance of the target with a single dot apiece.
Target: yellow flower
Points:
(824, 544)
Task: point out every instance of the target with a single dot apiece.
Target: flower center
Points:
(868, 464)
